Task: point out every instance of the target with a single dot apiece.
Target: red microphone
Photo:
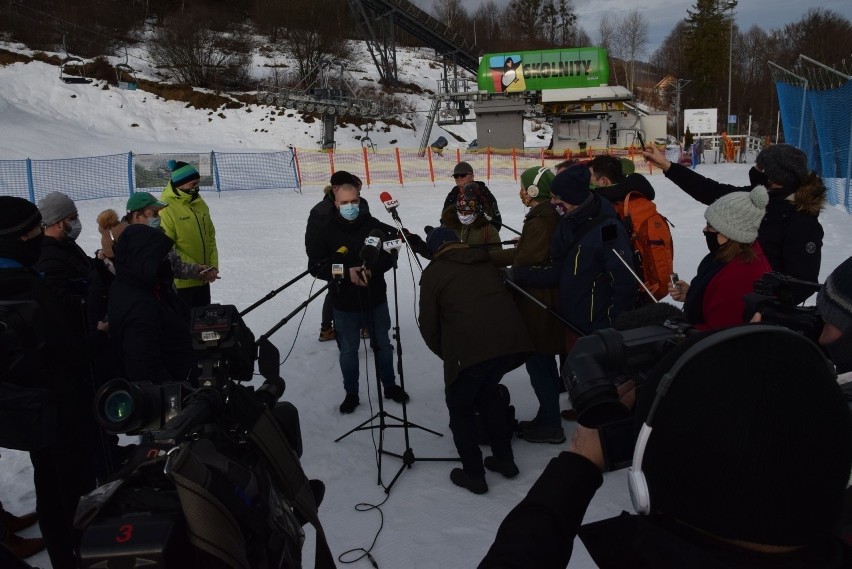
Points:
(390, 204)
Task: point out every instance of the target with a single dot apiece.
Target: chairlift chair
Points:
(71, 62)
(125, 69)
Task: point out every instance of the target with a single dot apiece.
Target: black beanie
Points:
(17, 217)
(572, 185)
(834, 301)
(783, 164)
(752, 441)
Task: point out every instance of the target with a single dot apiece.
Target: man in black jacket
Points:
(317, 218)
(722, 476)
(790, 233)
(59, 474)
(64, 264)
(359, 296)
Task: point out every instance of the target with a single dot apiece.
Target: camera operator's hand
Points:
(678, 291)
(587, 444)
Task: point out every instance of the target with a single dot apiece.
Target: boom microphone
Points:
(390, 204)
(369, 253)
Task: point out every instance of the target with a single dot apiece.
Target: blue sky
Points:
(664, 14)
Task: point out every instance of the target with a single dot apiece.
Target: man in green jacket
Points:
(187, 222)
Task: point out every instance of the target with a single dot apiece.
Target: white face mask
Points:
(466, 218)
(75, 227)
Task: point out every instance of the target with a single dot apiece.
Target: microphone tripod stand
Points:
(408, 458)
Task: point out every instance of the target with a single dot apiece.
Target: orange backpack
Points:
(651, 239)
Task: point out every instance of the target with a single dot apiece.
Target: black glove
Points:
(506, 273)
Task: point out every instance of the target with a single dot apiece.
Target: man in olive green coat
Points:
(468, 319)
(547, 333)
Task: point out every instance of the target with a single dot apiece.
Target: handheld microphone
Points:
(390, 204)
(369, 253)
(337, 263)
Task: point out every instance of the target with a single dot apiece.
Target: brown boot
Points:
(14, 524)
(22, 547)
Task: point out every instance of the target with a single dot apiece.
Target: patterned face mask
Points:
(466, 218)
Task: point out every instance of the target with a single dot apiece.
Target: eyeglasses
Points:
(457, 176)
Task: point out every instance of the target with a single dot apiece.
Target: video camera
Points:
(205, 472)
(773, 298)
(599, 363)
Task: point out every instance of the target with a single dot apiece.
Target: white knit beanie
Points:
(737, 215)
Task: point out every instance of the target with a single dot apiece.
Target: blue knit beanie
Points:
(182, 173)
(439, 237)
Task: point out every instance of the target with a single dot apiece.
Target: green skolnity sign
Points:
(544, 69)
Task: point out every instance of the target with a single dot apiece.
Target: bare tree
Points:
(607, 40)
(452, 14)
(525, 15)
(486, 19)
(314, 31)
(199, 56)
(580, 37)
(632, 41)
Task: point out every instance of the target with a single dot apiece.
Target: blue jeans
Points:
(348, 326)
(545, 381)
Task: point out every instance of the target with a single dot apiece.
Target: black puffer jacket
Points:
(149, 323)
(66, 268)
(335, 232)
(790, 233)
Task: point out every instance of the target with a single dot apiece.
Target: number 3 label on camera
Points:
(125, 533)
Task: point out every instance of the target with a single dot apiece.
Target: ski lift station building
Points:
(568, 87)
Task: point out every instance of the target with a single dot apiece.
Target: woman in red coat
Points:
(714, 298)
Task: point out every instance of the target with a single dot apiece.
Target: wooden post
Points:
(398, 165)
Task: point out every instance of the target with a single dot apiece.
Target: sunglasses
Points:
(457, 176)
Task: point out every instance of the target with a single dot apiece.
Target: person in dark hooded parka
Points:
(149, 323)
(790, 233)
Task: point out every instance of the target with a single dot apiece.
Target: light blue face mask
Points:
(349, 211)
(154, 222)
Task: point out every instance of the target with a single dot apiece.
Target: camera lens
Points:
(118, 406)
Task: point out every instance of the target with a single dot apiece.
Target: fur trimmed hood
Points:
(810, 197)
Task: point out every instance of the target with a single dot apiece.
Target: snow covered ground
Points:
(427, 522)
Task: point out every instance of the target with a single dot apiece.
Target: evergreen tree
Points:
(706, 50)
